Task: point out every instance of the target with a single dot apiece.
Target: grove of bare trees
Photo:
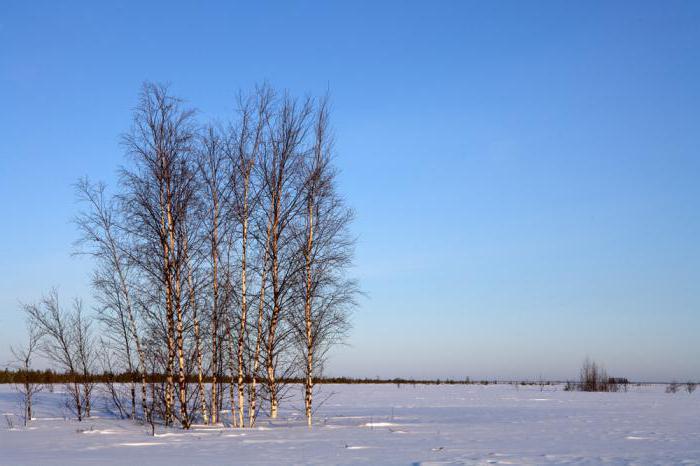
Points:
(221, 264)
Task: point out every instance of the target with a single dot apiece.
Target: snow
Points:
(386, 424)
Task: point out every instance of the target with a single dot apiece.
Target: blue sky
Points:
(525, 174)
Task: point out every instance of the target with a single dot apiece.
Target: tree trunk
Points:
(198, 349)
(244, 306)
(182, 382)
(232, 372)
(309, 384)
(133, 398)
(215, 406)
(271, 336)
(29, 403)
(86, 395)
(252, 409)
(134, 330)
(170, 321)
(78, 403)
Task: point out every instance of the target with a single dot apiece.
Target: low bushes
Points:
(594, 378)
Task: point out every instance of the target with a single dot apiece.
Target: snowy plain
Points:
(385, 425)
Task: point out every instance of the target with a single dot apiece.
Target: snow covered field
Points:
(383, 424)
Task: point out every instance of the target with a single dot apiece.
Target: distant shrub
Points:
(594, 378)
(673, 387)
(690, 387)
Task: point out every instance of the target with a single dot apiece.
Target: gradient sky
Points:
(526, 175)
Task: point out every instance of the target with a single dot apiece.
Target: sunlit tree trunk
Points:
(308, 383)
(197, 339)
(232, 371)
(244, 283)
(252, 409)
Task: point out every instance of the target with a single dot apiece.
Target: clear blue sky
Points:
(526, 175)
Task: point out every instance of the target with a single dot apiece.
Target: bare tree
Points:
(244, 152)
(101, 237)
(192, 266)
(594, 378)
(224, 254)
(158, 193)
(84, 351)
(215, 189)
(23, 361)
(327, 252)
(64, 336)
(259, 328)
(286, 131)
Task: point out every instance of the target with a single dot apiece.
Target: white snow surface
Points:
(387, 425)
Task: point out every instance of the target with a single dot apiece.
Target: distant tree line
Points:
(221, 272)
(49, 376)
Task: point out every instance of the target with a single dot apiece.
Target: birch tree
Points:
(286, 130)
(213, 173)
(102, 238)
(327, 251)
(224, 254)
(23, 356)
(157, 193)
(244, 152)
(61, 345)
(84, 351)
